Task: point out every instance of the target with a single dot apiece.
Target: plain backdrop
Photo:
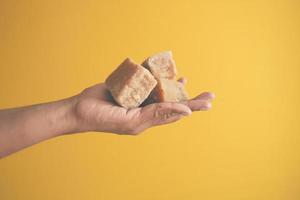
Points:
(246, 51)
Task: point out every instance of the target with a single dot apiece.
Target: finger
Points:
(197, 105)
(162, 113)
(206, 96)
(182, 80)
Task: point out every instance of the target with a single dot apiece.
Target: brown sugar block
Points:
(161, 65)
(168, 90)
(130, 84)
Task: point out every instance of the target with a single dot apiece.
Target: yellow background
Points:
(247, 52)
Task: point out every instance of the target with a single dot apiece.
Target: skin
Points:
(91, 110)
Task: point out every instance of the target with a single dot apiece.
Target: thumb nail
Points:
(185, 113)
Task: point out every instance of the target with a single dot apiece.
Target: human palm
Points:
(97, 111)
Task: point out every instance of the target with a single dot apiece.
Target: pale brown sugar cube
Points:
(168, 91)
(130, 84)
(161, 65)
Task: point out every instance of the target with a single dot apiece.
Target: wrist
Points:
(67, 117)
(75, 115)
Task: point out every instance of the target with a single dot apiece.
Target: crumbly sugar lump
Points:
(163, 68)
(130, 84)
(161, 65)
(169, 90)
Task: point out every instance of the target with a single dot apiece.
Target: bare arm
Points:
(91, 110)
(21, 127)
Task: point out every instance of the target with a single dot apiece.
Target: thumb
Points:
(162, 113)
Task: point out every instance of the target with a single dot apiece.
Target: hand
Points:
(92, 110)
(96, 111)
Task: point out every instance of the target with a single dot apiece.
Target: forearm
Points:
(25, 126)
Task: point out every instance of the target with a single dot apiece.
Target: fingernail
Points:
(186, 113)
(207, 106)
(213, 95)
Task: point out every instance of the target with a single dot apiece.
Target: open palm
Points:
(97, 111)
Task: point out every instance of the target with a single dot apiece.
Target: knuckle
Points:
(158, 106)
(131, 129)
(161, 107)
(135, 132)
